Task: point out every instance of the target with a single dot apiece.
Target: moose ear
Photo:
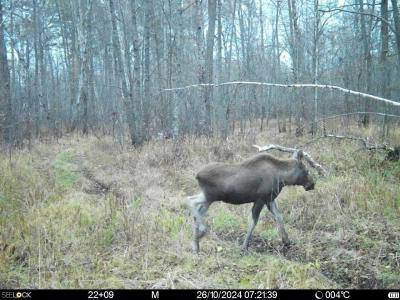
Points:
(298, 155)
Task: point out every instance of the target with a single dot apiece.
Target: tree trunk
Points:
(157, 34)
(179, 53)
(396, 18)
(36, 105)
(212, 7)
(368, 61)
(84, 36)
(385, 70)
(220, 92)
(5, 92)
(120, 71)
(199, 58)
(315, 65)
(228, 61)
(296, 54)
(279, 110)
(136, 116)
(146, 100)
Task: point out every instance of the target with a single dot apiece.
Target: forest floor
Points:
(88, 213)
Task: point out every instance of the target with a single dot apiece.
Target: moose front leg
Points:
(255, 214)
(279, 220)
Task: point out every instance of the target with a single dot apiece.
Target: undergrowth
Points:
(89, 214)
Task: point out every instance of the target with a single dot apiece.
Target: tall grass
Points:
(61, 229)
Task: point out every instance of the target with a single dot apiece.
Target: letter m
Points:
(155, 295)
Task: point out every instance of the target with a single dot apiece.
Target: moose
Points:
(257, 180)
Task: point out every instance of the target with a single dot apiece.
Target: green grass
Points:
(397, 202)
(66, 171)
(390, 278)
(225, 220)
(170, 223)
(269, 234)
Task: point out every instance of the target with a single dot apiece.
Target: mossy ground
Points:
(86, 213)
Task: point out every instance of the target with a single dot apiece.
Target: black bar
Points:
(206, 294)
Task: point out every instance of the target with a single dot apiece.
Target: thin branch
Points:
(343, 137)
(349, 114)
(297, 85)
(358, 113)
(307, 156)
(360, 13)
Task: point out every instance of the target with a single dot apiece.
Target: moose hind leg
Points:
(198, 205)
(255, 214)
(202, 209)
(279, 220)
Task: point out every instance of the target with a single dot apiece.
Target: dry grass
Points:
(87, 213)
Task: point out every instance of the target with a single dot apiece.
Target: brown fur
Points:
(258, 179)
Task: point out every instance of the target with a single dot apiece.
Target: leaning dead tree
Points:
(352, 114)
(297, 85)
(307, 156)
(357, 113)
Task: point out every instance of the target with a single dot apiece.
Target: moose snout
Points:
(310, 186)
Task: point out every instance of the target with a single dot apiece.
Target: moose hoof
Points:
(202, 232)
(195, 247)
(287, 243)
(244, 252)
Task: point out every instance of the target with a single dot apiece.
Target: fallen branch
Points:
(304, 85)
(351, 114)
(366, 142)
(307, 156)
(358, 113)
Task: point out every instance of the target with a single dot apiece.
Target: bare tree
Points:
(84, 37)
(146, 95)
(5, 92)
(385, 70)
(316, 35)
(367, 58)
(212, 6)
(242, 63)
(120, 73)
(136, 108)
(396, 18)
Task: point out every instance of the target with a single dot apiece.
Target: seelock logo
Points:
(16, 295)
